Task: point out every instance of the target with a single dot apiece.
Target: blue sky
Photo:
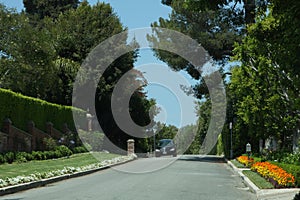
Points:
(177, 108)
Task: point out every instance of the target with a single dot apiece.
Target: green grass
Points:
(259, 181)
(76, 160)
(237, 164)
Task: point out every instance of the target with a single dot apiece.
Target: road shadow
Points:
(204, 158)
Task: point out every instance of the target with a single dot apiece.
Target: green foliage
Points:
(48, 8)
(9, 157)
(2, 159)
(80, 149)
(21, 109)
(40, 57)
(264, 89)
(291, 158)
(220, 147)
(65, 151)
(216, 25)
(42, 50)
(50, 144)
(58, 152)
(23, 157)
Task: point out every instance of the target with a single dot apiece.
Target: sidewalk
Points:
(265, 194)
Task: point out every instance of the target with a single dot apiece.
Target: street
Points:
(188, 178)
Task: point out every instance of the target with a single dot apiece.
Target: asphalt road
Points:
(188, 178)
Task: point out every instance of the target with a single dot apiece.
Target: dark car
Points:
(166, 147)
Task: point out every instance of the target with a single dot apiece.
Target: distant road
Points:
(188, 178)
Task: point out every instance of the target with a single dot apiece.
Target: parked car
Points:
(166, 147)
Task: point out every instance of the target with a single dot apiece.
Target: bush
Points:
(23, 157)
(65, 151)
(60, 151)
(80, 149)
(9, 157)
(2, 159)
(291, 158)
(37, 155)
(57, 154)
(50, 144)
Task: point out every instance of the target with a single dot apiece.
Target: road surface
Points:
(188, 178)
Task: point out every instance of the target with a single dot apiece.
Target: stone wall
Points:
(14, 139)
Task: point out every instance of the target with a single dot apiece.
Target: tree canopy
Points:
(43, 48)
(262, 39)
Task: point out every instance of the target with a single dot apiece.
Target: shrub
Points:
(9, 157)
(50, 144)
(291, 158)
(57, 154)
(23, 157)
(37, 155)
(80, 149)
(2, 159)
(65, 151)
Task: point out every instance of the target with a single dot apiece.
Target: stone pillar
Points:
(31, 131)
(89, 119)
(7, 129)
(130, 147)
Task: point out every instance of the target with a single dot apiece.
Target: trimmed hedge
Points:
(22, 109)
(60, 151)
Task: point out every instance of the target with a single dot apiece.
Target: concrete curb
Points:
(264, 194)
(43, 182)
(246, 180)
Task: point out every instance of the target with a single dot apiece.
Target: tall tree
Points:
(48, 8)
(266, 86)
(26, 55)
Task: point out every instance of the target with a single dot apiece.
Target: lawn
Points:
(259, 181)
(237, 164)
(76, 160)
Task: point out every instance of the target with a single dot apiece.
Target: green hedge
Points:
(22, 109)
(58, 152)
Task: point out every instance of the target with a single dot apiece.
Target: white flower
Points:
(66, 170)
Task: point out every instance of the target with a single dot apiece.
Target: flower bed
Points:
(245, 160)
(276, 175)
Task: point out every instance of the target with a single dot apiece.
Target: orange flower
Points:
(245, 160)
(273, 172)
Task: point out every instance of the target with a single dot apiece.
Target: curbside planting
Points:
(75, 172)
(264, 194)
